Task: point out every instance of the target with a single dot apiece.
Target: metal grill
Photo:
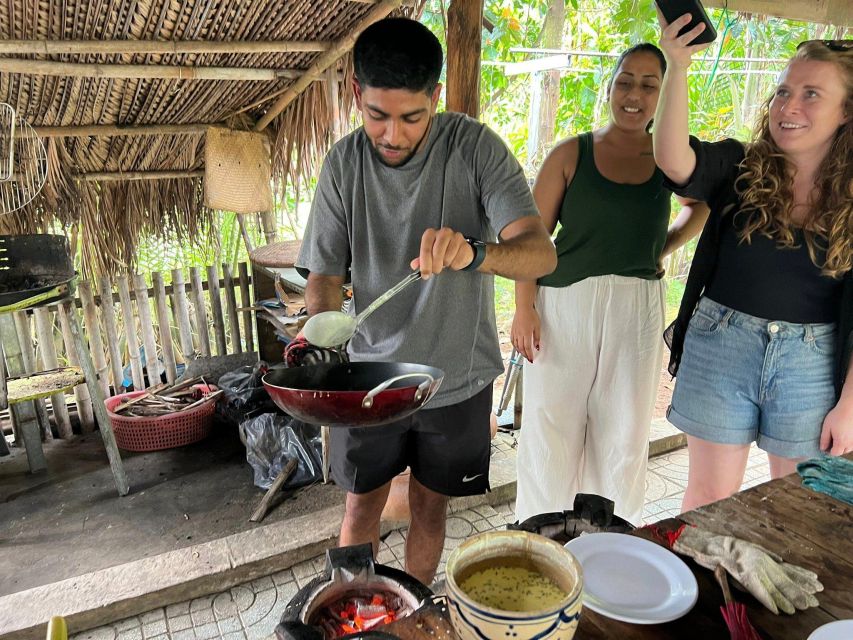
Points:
(23, 161)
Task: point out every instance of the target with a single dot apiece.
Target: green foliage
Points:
(724, 98)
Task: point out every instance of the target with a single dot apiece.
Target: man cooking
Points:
(412, 189)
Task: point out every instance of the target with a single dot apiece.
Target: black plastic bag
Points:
(272, 439)
(244, 393)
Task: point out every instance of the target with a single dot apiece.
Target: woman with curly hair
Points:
(762, 341)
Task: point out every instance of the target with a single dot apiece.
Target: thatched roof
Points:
(74, 63)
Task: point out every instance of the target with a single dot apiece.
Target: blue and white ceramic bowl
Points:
(475, 621)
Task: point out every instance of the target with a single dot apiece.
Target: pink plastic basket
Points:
(161, 432)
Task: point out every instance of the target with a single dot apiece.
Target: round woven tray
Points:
(277, 254)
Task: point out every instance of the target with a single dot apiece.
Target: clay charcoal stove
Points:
(353, 598)
(590, 514)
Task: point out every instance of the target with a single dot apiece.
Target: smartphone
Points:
(674, 9)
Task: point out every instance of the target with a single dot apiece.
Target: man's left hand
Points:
(442, 249)
(837, 435)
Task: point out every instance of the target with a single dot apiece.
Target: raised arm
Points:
(671, 135)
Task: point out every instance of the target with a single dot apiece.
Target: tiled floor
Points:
(252, 610)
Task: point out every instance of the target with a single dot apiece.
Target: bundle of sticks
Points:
(164, 399)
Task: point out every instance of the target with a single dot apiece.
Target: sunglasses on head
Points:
(833, 45)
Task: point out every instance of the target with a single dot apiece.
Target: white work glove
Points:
(774, 583)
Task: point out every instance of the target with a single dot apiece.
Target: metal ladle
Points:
(334, 328)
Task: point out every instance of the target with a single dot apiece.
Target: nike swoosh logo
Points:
(467, 479)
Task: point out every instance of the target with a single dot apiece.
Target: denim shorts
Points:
(744, 379)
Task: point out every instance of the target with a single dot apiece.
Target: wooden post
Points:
(231, 306)
(108, 313)
(146, 324)
(164, 327)
(93, 329)
(23, 413)
(82, 396)
(181, 312)
(200, 311)
(245, 302)
(47, 348)
(129, 320)
(25, 339)
(216, 310)
(100, 410)
(464, 47)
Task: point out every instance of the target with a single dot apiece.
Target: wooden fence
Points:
(126, 322)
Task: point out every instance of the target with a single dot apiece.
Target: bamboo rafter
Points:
(105, 47)
(327, 59)
(145, 71)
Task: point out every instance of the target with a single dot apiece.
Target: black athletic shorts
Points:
(447, 449)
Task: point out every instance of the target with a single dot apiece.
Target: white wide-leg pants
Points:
(589, 395)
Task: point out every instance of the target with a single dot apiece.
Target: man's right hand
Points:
(442, 249)
(525, 332)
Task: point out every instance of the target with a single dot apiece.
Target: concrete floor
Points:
(67, 532)
(250, 611)
(70, 520)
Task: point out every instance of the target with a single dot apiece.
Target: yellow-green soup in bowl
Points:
(513, 584)
(512, 588)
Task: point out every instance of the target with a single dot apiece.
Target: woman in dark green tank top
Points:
(591, 330)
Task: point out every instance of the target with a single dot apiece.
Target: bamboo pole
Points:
(268, 223)
(200, 312)
(325, 60)
(60, 47)
(82, 396)
(245, 302)
(334, 104)
(216, 310)
(25, 340)
(146, 324)
(144, 71)
(115, 130)
(231, 307)
(164, 327)
(241, 220)
(93, 329)
(108, 314)
(129, 320)
(100, 410)
(47, 349)
(182, 315)
(24, 419)
(121, 176)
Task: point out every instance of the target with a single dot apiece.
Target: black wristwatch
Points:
(479, 248)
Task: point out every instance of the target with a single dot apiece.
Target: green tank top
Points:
(607, 228)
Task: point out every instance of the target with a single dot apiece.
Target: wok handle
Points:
(422, 388)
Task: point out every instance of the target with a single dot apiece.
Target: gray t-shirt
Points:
(370, 217)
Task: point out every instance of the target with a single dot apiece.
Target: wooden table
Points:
(804, 527)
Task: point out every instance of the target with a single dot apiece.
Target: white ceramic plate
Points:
(838, 630)
(630, 579)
